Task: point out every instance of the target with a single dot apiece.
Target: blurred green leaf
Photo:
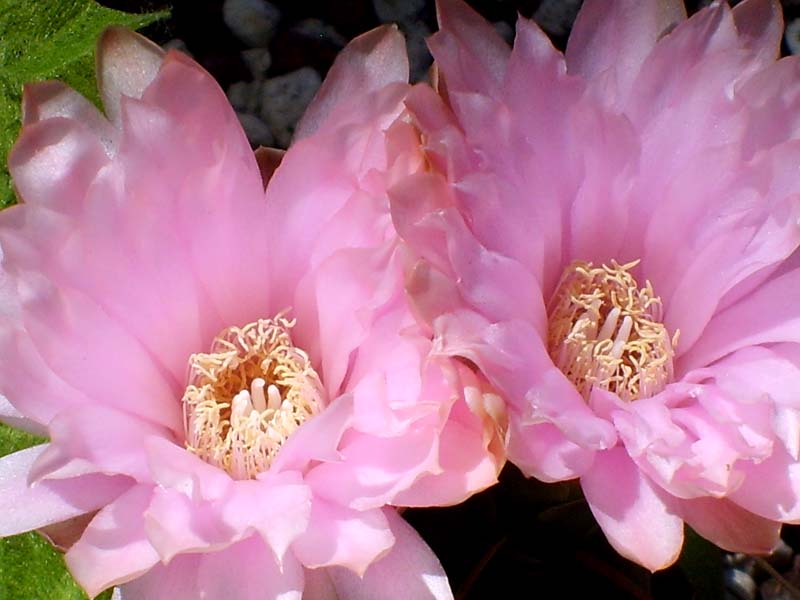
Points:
(48, 39)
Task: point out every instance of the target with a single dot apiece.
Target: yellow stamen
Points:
(605, 331)
(248, 395)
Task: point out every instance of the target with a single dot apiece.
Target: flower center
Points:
(606, 331)
(247, 396)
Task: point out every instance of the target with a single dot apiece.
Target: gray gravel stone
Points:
(252, 21)
(258, 61)
(397, 11)
(739, 585)
(245, 96)
(506, 31)
(792, 36)
(419, 57)
(256, 130)
(314, 28)
(557, 16)
(285, 98)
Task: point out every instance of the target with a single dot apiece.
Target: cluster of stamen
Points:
(605, 331)
(247, 396)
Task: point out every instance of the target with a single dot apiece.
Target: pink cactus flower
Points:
(611, 237)
(232, 383)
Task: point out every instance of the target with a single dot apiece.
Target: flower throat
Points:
(606, 331)
(247, 396)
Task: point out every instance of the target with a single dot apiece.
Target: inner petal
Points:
(248, 395)
(604, 330)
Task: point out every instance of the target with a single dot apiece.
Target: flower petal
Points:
(114, 548)
(28, 507)
(410, 571)
(631, 512)
(341, 536)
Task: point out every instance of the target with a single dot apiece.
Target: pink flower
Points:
(612, 242)
(234, 382)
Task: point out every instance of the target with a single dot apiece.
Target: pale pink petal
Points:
(467, 48)
(126, 64)
(248, 571)
(96, 439)
(277, 506)
(176, 524)
(114, 548)
(50, 99)
(319, 585)
(54, 162)
(27, 507)
(729, 526)
(177, 580)
(13, 418)
(369, 62)
(542, 451)
(341, 536)
(611, 39)
(770, 488)
(760, 24)
(410, 571)
(175, 468)
(630, 511)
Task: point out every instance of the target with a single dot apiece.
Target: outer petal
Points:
(248, 571)
(368, 63)
(728, 525)
(114, 548)
(631, 512)
(27, 507)
(613, 38)
(342, 536)
(409, 571)
(126, 64)
(178, 580)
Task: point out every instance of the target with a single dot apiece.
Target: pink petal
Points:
(114, 548)
(248, 571)
(277, 506)
(96, 439)
(631, 512)
(729, 526)
(54, 162)
(780, 499)
(341, 536)
(542, 451)
(410, 571)
(468, 50)
(767, 315)
(369, 62)
(177, 580)
(175, 524)
(13, 418)
(126, 64)
(760, 24)
(614, 38)
(50, 99)
(29, 507)
(175, 468)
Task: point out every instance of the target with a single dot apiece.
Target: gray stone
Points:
(792, 36)
(505, 30)
(419, 57)
(284, 100)
(258, 133)
(258, 61)
(252, 21)
(177, 44)
(314, 28)
(557, 16)
(397, 11)
(739, 584)
(245, 96)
